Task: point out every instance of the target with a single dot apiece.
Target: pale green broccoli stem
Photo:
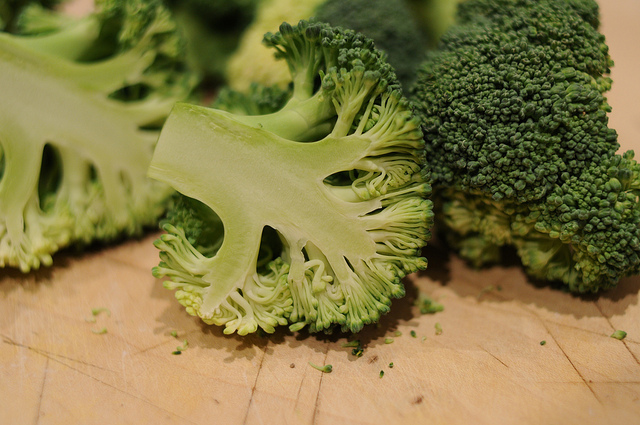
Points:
(20, 159)
(300, 120)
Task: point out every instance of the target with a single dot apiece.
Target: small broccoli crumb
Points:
(397, 333)
(428, 305)
(388, 340)
(176, 353)
(357, 351)
(619, 335)
(381, 373)
(391, 365)
(100, 331)
(543, 342)
(185, 345)
(438, 328)
(174, 334)
(489, 288)
(413, 334)
(97, 311)
(324, 369)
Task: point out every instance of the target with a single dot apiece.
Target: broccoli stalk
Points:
(335, 173)
(77, 132)
(515, 120)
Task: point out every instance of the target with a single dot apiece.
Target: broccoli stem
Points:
(299, 120)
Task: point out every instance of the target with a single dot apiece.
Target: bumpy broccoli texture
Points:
(81, 106)
(515, 119)
(389, 23)
(307, 216)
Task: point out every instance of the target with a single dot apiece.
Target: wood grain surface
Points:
(486, 367)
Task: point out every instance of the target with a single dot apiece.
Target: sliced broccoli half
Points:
(80, 112)
(310, 215)
(517, 139)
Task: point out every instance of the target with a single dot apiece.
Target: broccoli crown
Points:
(212, 29)
(310, 214)
(513, 100)
(11, 10)
(81, 108)
(388, 22)
(518, 143)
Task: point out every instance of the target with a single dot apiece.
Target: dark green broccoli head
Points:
(513, 100)
(515, 121)
(595, 216)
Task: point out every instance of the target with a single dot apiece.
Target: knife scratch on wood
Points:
(60, 359)
(317, 403)
(255, 382)
(41, 395)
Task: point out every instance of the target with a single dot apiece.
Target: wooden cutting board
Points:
(486, 367)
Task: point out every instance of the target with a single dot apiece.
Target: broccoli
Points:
(517, 141)
(80, 113)
(434, 17)
(310, 215)
(213, 29)
(389, 23)
(11, 10)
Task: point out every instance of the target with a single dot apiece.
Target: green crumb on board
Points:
(324, 369)
(428, 306)
(97, 311)
(619, 335)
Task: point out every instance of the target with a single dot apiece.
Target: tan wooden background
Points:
(487, 366)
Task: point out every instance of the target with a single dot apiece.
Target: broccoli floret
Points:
(389, 23)
(257, 100)
(213, 29)
(434, 17)
(80, 112)
(518, 143)
(11, 10)
(310, 215)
